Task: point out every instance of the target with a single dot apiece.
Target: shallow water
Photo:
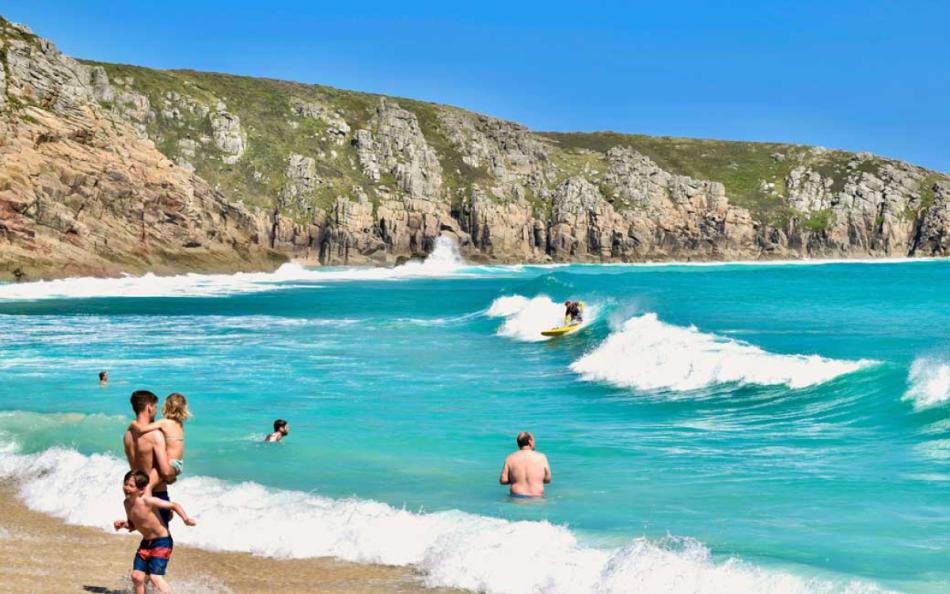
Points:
(724, 428)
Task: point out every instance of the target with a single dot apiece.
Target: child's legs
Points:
(160, 584)
(138, 580)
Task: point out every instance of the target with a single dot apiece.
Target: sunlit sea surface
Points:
(712, 428)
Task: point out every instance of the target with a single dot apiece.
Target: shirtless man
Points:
(281, 429)
(147, 452)
(526, 471)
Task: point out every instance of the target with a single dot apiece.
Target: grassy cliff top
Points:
(272, 132)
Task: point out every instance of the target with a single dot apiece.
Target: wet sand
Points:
(40, 554)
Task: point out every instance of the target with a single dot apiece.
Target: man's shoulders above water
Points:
(527, 454)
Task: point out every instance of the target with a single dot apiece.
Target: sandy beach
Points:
(40, 554)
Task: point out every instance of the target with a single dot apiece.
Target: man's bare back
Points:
(526, 471)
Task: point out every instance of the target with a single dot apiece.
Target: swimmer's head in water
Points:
(525, 439)
(141, 399)
(139, 480)
(281, 425)
(103, 376)
(568, 302)
(176, 407)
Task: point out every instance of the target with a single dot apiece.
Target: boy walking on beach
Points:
(142, 514)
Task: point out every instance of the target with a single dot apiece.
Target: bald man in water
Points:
(526, 471)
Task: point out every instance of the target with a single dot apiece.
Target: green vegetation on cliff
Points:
(272, 126)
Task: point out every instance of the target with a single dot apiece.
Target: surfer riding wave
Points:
(573, 312)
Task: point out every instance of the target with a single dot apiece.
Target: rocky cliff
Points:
(109, 168)
(83, 192)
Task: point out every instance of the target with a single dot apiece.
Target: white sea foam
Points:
(442, 262)
(765, 263)
(648, 354)
(525, 318)
(928, 382)
(450, 548)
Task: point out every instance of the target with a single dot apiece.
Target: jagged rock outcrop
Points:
(503, 231)
(514, 159)
(111, 168)
(395, 145)
(932, 236)
(337, 129)
(82, 193)
(301, 176)
(227, 134)
(873, 212)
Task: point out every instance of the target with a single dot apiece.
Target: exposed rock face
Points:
(397, 146)
(228, 135)
(82, 193)
(807, 190)
(504, 232)
(933, 229)
(301, 175)
(339, 177)
(508, 152)
(337, 128)
(873, 213)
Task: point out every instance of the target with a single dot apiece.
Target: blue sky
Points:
(869, 75)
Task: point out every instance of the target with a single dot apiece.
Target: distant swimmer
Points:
(281, 429)
(103, 378)
(526, 471)
(573, 312)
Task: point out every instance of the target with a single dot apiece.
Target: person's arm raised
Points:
(172, 505)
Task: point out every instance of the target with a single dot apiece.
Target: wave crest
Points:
(928, 382)
(648, 354)
(525, 318)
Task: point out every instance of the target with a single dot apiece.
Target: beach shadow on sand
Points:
(102, 590)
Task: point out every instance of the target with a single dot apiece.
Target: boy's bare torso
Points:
(144, 517)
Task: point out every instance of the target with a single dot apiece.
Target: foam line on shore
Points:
(449, 548)
(444, 261)
(799, 262)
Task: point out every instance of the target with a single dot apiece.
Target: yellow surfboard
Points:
(560, 331)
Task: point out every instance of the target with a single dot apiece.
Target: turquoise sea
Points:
(713, 428)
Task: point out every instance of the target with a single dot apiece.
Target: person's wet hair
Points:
(141, 479)
(524, 439)
(142, 398)
(102, 375)
(279, 424)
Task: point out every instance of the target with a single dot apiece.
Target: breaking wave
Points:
(444, 261)
(525, 318)
(451, 548)
(928, 382)
(648, 354)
